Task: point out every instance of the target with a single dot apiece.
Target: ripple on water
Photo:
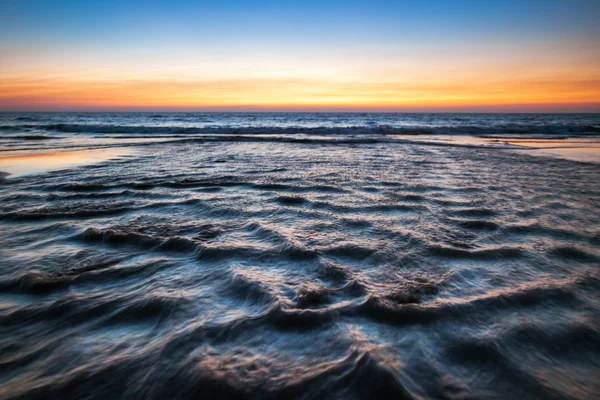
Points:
(301, 270)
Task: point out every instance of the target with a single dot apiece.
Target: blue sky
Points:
(122, 23)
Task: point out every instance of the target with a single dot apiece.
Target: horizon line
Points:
(230, 111)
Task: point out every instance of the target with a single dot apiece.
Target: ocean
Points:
(299, 255)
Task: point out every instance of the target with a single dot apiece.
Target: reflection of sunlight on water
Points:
(576, 150)
(582, 150)
(37, 163)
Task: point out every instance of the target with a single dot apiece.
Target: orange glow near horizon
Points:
(432, 79)
(282, 94)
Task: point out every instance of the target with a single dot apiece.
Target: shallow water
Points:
(304, 269)
(20, 165)
(576, 150)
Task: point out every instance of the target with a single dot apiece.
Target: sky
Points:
(437, 55)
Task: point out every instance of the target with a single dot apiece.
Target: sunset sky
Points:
(504, 55)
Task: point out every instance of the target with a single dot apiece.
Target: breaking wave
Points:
(318, 130)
